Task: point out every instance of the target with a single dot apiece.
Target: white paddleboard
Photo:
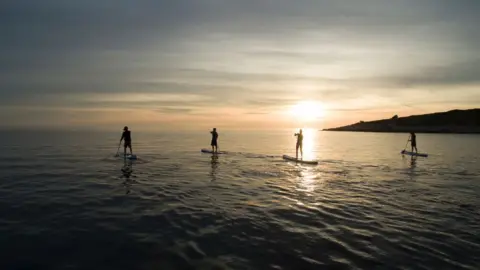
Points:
(404, 152)
(286, 157)
(211, 152)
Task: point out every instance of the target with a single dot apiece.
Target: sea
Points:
(67, 202)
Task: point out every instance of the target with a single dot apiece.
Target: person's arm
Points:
(123, 135)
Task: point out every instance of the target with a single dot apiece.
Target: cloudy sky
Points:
(234, 64)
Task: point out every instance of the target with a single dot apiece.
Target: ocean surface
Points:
(67, 203)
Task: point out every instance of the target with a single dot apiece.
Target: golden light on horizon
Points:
(308, 110)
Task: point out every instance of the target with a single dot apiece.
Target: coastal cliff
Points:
(455, 121)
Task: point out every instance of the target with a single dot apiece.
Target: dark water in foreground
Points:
(67, 203)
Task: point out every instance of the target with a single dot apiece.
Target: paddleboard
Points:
(211, 152)
(286, 157)
(404, 152)
(131, 157)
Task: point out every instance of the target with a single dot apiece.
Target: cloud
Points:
(256, 113)
(463, 73)
(175, 110)
(250, 56)
(268, 102)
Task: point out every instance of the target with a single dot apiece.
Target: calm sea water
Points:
(67, 203)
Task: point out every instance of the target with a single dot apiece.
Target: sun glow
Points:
(308, 110)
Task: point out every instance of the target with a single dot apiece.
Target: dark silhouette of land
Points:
(455, 121)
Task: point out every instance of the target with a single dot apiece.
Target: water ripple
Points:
(180, 209)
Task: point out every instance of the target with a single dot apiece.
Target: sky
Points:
(250, 64)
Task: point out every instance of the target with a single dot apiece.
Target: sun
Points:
(308, 110)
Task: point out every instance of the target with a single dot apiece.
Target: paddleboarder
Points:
(299, 144)
(127, 137)
(214, 142)
(413, 141)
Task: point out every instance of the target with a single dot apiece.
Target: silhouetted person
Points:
(413, 141)
(214, 142)
(126, 136)
(299, 144)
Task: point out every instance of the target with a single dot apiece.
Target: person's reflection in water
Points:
(413, 162)
(214, 163)
(127, 170)
(413, 165)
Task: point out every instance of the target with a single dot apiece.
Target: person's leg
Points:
(131, 151)
(296, 151)
(301, 150)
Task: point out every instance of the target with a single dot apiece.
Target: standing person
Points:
(214, 142)
(413, 140)
(127, 137)
(299, 144)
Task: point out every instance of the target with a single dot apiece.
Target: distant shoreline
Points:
(425, 132)
(451, 122)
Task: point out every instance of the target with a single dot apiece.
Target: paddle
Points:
(118, 149)
(405, 148)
